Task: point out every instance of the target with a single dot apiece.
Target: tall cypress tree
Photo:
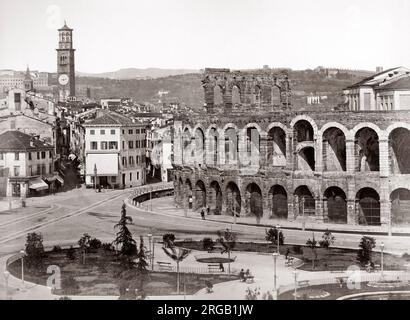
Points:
(124, 236)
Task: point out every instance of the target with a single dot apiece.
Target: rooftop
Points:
(110, 118)
(381, 77)
(14, 140)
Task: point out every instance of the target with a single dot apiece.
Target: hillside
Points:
(187, 88)
(134, 73)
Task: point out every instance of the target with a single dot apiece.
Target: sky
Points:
(194, 34)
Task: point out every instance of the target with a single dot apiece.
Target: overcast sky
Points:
(109, 35)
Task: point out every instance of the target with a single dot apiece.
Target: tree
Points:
(366, 246)
(168, 239)
(327, 240)
(84, 244)
(70, 253)
(177, 254)
(208, 244)
(142, 263)
(312, 244)
(124, 236)
(34, 251)
(272, 236)
(228, 240)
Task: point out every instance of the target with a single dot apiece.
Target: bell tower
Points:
(65, 64)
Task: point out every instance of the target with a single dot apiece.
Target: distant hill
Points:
(134, 73)
(187, 88)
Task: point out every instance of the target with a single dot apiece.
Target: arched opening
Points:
(179, 193)
(256, 96)
(399, 151)
(231, 146)
(278, 200)
(335, 205)
(236, 96)
(305, 201)
(400, 206)
(186, 143)
(303, 131)
(306, 159)
(254, 200)
(253, 145)
(213, 146)
(215, 203)
(233, 199)
(275, 95)
(277, 147)
(199, 146)
(218, 96)
(334, 150)
(368, 207)
(367, 150)
(200, 195)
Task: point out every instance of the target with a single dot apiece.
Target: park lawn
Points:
(100, 276)
(327, 259)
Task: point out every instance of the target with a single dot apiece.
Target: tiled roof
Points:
(19, 141)
(372, 77)
(403, 83)
(111, 118)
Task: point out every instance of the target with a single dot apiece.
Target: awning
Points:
(38, 184)
(105, 163)
(56, 177)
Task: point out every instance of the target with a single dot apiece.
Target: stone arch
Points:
(337, 125)
(215, 198)
(256, 95)
(334, 150)
(399, 150)
(400, 206)
(367, 150)
(278, 202)
(254, 200)
(236, 95)
(276, 149)
(368, 207)
(200, 152)
(213, 145)
(306, 118)
(253, 133)
(303, 131)
(231, 145)
(370, 125)
(233, 199)
(186, 146)
(335, 205)
(218, 95)
(305, 201)
(200, 195)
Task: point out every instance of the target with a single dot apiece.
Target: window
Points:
(130, 176)
(38, 155)
(113, 145)
(138, 159)
(16, 171)
(50, 168)
(94, 145)
(30, 170)
(43, 154)
(92, 132)
(131, 144)
(138, 175)
(112, 131)
(38, 172)
(137, 131)
(124, 161)
(123, 131)
(131, 160)
(130, 131)
(102, 131)
(17, 156)
(43, 169)
(104, 145)
(50, 155)
(1, 156)
(137, 144)
(113, 179)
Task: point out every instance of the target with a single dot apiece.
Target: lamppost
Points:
(275, 290)
(6, 278)
(95, 177)
(381, 262)
(295, 274)
(23, 253)
(278, 239)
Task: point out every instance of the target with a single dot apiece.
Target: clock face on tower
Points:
(63, 79)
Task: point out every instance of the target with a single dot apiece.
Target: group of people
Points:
(243, 276)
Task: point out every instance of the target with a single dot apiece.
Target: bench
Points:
(213, 268)
(303, 283)
(164, 266)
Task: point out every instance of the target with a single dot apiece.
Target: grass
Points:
(103, 274)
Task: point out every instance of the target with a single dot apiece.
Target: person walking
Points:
(202, 214)
(221, 267)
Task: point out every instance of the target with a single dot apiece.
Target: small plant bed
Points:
(334, 291)
(328, 259)
(103, 275)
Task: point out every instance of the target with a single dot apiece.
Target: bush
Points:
(208, 244)
(327, 240)
(168, 239)
(95, 244)
(57, 249)
(107, 246)
(34, 251)
(272, 236)
(366, 246)
(297, 249)
(70, 285)
(70, 253)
